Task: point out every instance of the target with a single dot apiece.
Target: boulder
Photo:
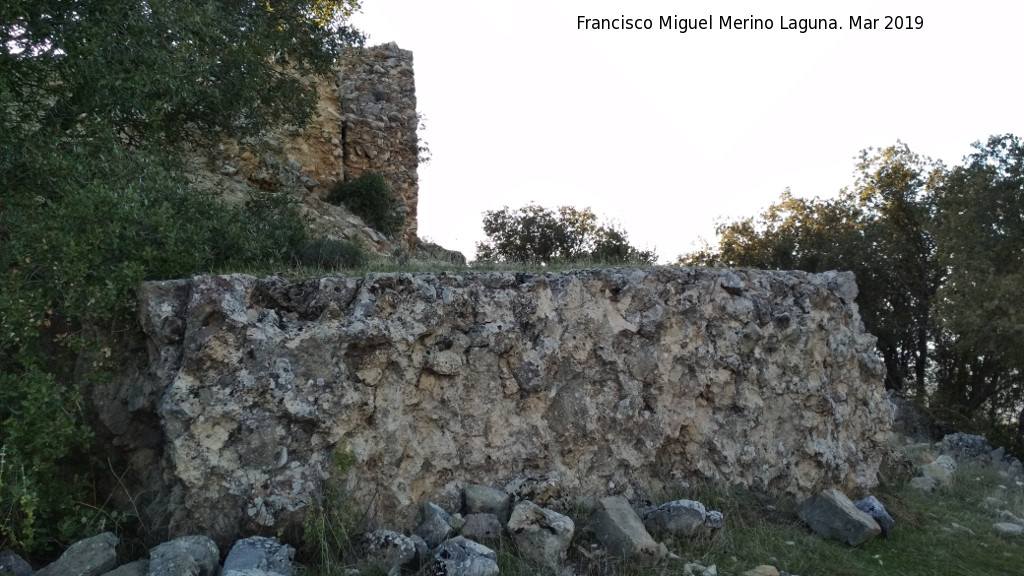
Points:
(385, 549)
(137, 568)
(683, 517)
(485, 499)
(941, 470)
(481, 526)
(436, 526)
(185, 556)
(877, 511)
(831, 514)
(1009, 528)
(259, 554)
(90, 557)
(461, 557)
(14, 564)
(540, 534)
(620, 530)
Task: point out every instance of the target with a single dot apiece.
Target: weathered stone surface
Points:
(874, 508)
(621, 532)
(258, 553)
(831, 514)
(137, 568)
(540, 534)
(684, 517)
(484, 499)
(185, 556)
(14, 564)
(386, 549)
(941, 470)
(436, 526)
(965, 445)
(379, 122)
(461, 557)
(542, 489)
(714, 519)
(1009, 528)
(90, 557)
(428, 382)
(481, 526)
(762, 570)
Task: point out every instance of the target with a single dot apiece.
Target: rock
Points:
(877, 511)
(436, 525)
(266, 555)
(683, 517)
(714, 520)
(762, 570)
(461, 557)
(941, 470)
(456, 521)
(544, 490)
(1009, 528)
(137, 568)
(484, 499)
(386, 549)
(14, 564)
(89, 557)
(422, 550)
(966, 445)
(620, 531)
(540, 534)
(831, 514)
(924, 484)
(257, 383)
(694, 569)
(185, 556)
(481, 526)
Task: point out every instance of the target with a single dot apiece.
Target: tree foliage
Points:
(537, 235)
(98, 101)
(939, 257)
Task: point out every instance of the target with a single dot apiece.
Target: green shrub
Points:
(332, 254)
(78, 232)
(370, 198)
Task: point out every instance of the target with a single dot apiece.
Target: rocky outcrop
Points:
(404, 388)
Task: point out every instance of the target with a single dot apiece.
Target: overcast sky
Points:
(666, 132)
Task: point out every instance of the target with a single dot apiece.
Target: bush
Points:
(370, 198)
(78, 233)
(332, 254)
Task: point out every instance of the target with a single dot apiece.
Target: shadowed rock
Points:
(831, 514)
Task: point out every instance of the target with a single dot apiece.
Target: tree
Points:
(537, 235)
(939, 259)
(98, 101)
(879, 230)
(979, 233)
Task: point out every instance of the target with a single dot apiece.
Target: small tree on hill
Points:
(537, 235)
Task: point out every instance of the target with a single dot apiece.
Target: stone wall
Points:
(616, 381)
(379, 121)
(365, 120)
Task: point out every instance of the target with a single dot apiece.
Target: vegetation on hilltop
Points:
(541, 236)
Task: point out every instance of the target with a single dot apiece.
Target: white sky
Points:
(665, 132)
